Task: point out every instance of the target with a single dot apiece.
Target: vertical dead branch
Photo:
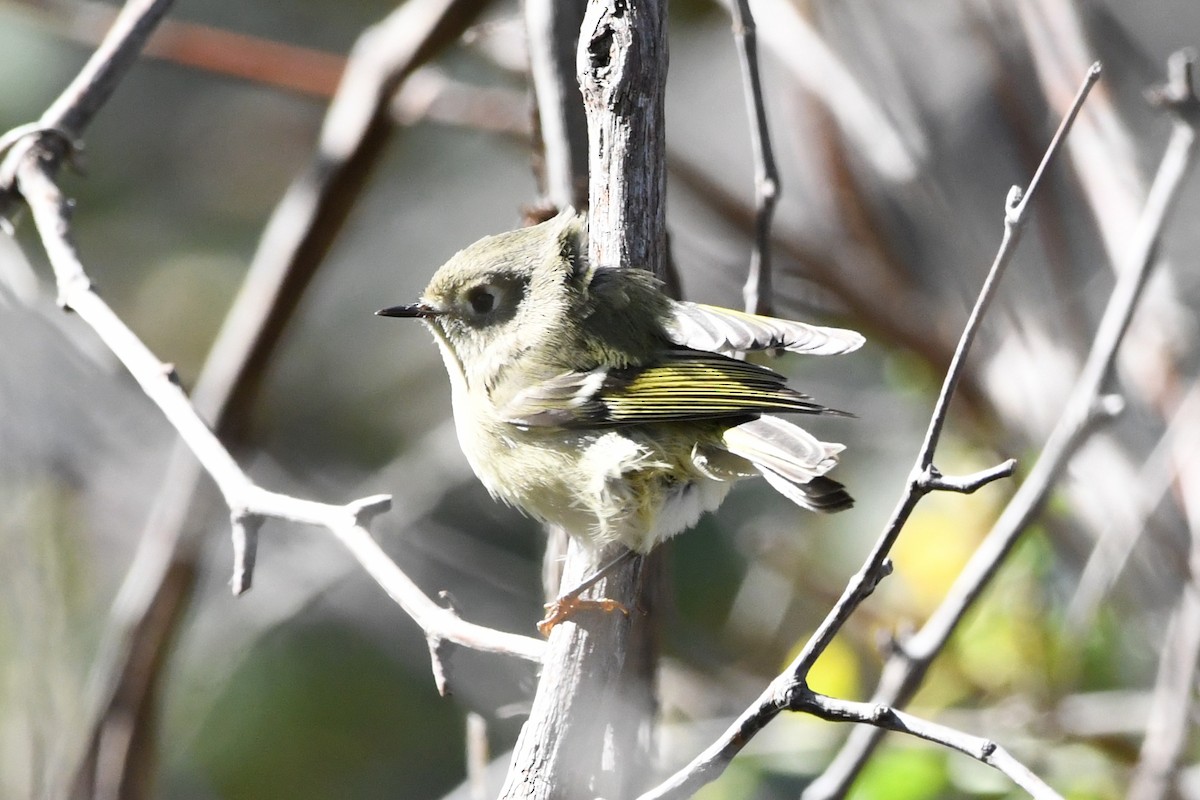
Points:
(589, 728)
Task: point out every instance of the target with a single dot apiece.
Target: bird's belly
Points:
(602, 487)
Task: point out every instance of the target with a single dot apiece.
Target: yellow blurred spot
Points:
(836, 672)
(938, 539)
(931, 552)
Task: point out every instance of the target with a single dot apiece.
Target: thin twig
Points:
(885, 718)
(903, 673)
(478, 755)
(787, 32)
(922, 479)
(106, 68)
(57, 131)
(934, 480)
(757, 291)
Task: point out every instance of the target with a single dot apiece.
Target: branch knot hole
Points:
(604, 47)
(600, 51)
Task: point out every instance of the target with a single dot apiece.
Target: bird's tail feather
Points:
(792, 460)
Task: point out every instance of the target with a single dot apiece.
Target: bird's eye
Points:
(482, 299)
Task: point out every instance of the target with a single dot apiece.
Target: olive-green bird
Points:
(589, 399)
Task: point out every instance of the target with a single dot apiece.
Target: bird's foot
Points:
(571, 604)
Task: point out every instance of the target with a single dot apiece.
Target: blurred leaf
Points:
(340, 718)
(903, 774)
(836, 672)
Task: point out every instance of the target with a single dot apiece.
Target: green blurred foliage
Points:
(317, 711)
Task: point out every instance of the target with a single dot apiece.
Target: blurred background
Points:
(898, 128)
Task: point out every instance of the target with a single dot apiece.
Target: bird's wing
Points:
(723, 330)
(792, 460)
(683, 385)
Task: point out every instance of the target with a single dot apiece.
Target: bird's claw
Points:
(568, 606)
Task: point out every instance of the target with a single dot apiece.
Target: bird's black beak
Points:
(419, 310)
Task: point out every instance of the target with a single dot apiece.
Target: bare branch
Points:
(903, 673)
(245, 549)
(245, 499)
(74, 109)
(933, 480)
(789, 35)
(709, 764)
(1014, 225)
(57, 132)
(886, 718)
(757, 291)
(478, 755)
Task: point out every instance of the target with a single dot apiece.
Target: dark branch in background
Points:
(904, 671)
(757, 292)
(783, 692)
(588, 731)
(311, 214)
(786, 31)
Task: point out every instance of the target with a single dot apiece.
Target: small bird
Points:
(589, 399)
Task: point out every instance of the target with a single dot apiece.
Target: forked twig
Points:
(903, 673)
(885, 718)
(923, 479)
(248, 502)
(87, 93)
